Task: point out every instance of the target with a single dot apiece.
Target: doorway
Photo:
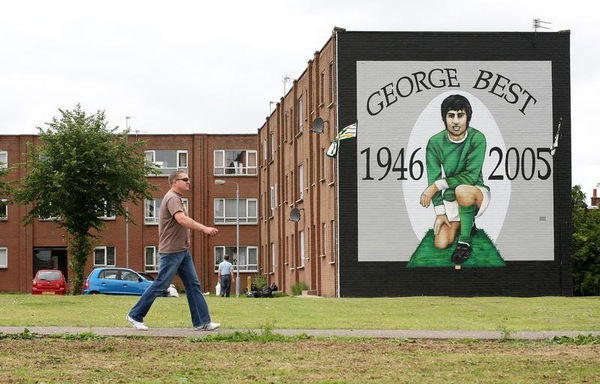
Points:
(51, 258)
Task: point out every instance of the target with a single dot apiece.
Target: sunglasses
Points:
(186, 179)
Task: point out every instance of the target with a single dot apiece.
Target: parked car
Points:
(49, 282)
(116, 281)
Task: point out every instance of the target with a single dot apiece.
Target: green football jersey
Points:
(456, 162)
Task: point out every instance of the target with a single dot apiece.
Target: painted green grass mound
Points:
(484, 253)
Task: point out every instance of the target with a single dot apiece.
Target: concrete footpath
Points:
(370, 333)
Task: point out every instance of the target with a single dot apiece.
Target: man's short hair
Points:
(175, 175)
(226, 257)
(456, 103)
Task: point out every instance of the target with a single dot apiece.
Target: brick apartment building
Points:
(362, 231)
(296, 173)
(233, 158)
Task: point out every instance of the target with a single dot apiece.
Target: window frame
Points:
(105, 249)
(4, 264)
(155, 257)
(165, 171)
(301, 249)
(300, 114)
(3, 209)
(248, 220)
(152, 220)
(4, 164)
(245, 170)
(217, 259)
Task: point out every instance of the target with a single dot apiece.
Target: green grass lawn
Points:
(170, 360)
(429, 313)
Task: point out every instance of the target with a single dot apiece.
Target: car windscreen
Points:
(48, 275)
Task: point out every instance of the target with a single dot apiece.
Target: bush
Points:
(260, 282)
(298, 288)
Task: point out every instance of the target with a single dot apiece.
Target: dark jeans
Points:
(225, 285)
(170, 264)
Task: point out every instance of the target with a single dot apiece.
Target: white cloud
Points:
(190, 66)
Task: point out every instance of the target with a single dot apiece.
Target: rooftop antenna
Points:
(127, 121)
(537, 24)
(286, 79)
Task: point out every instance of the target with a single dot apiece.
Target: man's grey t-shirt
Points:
(172, 236)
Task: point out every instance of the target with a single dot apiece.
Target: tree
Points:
(82, 170)
(586, 245)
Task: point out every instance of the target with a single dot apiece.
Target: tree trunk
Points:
(80, 247)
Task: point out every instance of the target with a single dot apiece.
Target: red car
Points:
(49, 282)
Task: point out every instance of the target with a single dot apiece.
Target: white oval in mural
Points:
(429, 123)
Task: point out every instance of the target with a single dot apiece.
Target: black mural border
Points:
(527, 278)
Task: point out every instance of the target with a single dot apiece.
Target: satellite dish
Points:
(295, 215)
(318, 125)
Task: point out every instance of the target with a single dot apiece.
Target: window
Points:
(225, 211)
(273, 145)
(301, 248)
(110, 274)
(323, 239)
(273, 258)
(248, 260)
(3, 159)
(323, 162)
(331, 95)
(333, 241)
(151, 260)
(182, 159)
(300, 182)
(300, 114)
(50, 218)
(235, 162)
(104, 256)
(151, 210)
(3, 257)
(3, 209)
(105, 215)
(322, 89)
(167, 160)
(273, 198)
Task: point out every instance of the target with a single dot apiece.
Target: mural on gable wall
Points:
(454, 166)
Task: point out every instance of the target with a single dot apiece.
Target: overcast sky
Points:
(212, 67)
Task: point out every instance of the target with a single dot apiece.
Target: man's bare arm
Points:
(192, 224)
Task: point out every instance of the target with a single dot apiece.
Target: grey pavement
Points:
(369, 333)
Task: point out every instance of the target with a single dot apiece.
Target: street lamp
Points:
(237, 232)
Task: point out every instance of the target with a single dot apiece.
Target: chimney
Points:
(595, 199)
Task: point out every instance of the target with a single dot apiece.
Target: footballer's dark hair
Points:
(456, 103)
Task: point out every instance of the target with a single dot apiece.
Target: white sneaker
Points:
(208, 327)
(136, 324)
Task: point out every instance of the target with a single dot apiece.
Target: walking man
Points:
(225, 268)
(173, 247)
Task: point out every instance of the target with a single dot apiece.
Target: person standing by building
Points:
(173, 247)
(225, 269)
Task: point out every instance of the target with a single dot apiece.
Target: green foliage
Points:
(265, 336)
(586, 245)
(83, 336)
(25, 335)
(577, 340)
(80, 171)
(260, 281)
(298, 288)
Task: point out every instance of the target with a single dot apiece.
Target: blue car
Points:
(116, 281)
